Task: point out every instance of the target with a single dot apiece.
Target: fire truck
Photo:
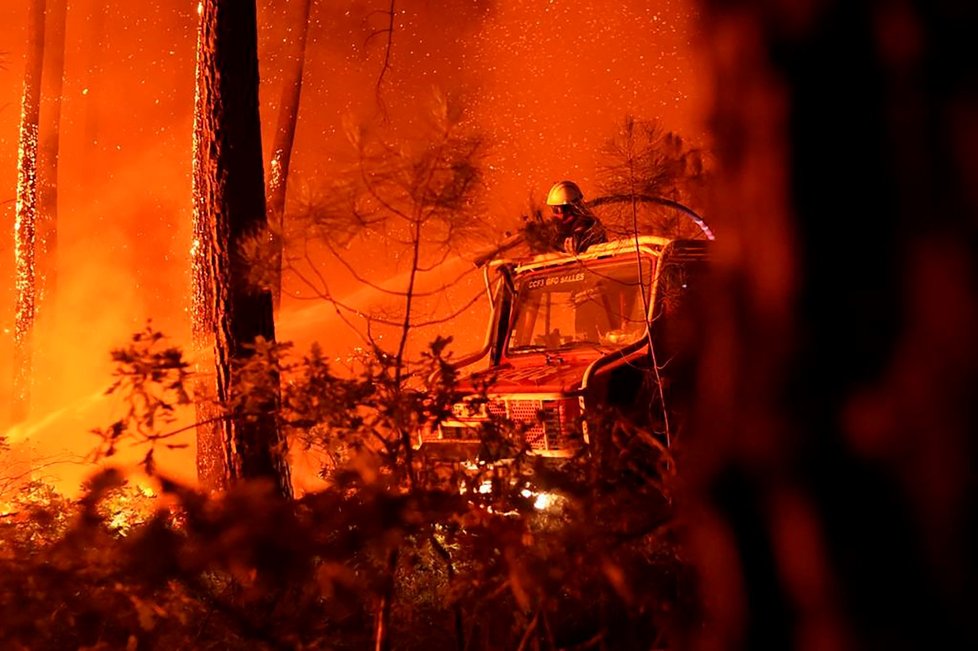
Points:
(611, 331)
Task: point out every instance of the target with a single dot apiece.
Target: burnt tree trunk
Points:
(25, 222)
(46, 367)
(288, 117)
(229, 210)
(50, 145)
(835, 446)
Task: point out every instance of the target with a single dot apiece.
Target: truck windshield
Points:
(585, 306)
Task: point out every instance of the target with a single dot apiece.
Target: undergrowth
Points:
(438, 555)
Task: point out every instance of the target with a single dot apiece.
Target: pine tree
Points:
(230, 310)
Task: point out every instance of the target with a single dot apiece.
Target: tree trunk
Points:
(834, 452)
(230, 209)
(288, 116)
(46, 367)
(47, 198)
(25, 226)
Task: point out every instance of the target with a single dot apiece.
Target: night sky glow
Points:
(546, 81)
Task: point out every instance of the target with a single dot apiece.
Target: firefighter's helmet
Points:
(564, 193)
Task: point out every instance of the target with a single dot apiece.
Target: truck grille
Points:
(547, 425)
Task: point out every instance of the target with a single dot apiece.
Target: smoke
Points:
(547, 81)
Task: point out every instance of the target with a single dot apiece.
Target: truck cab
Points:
(570, 337)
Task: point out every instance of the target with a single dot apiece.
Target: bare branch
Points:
(472, 301)
(388, 49)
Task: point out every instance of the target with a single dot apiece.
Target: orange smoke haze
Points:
(547, 81)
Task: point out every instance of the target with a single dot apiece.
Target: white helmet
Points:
(564, 193)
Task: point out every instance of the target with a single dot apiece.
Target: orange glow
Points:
(548, 82)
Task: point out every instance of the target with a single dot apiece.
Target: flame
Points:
(541, 85)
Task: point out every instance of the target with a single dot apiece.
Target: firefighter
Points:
(573, 227)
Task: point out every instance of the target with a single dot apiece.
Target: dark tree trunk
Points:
(288, 116)
(50, 144)
(836, 432)
(46, 367)
(25, 226)
(229, 209)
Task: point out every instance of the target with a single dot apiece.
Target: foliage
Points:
(152, 380)
(411, 192)
(642, 160)
(455, 564)
(538, 231)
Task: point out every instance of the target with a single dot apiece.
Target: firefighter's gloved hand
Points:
(569, 245)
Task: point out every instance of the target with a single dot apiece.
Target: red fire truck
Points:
(571, 337)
